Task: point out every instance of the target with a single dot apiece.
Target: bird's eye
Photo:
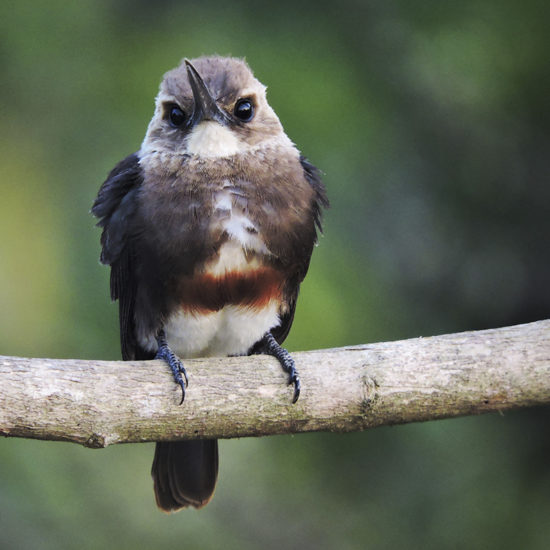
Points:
(244, 110)
(176, 116)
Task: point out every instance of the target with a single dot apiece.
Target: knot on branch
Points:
(369, 392)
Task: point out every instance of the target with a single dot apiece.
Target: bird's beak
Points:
(205, 106)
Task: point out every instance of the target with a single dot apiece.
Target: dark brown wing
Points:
(313, 176)
(320, 201)
(115, 207)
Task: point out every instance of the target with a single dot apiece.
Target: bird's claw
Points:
(176, 366)
(295, 379)
(272, 347)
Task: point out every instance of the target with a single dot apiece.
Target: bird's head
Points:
(212, 107)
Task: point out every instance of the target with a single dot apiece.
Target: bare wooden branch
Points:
(98, 403)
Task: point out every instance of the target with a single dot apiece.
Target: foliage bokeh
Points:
(430, 121)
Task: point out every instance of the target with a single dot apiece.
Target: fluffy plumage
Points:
(209, 231)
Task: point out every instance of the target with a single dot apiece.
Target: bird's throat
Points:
(211, 139)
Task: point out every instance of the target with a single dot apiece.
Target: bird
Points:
(208, 230)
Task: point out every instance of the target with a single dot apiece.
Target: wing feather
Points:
(320, 201)
(115, 206)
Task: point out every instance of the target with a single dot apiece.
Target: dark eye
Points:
(176, 116)
(244, 110)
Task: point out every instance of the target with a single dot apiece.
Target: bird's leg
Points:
(176, 366)
(269, 346)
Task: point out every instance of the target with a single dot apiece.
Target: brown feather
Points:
(254, 289)
(184, 473)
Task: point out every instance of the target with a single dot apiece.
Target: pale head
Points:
(212, 107)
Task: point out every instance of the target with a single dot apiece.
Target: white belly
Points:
(231, 331)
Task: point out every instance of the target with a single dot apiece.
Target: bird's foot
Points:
(175, 364)
(270, 346)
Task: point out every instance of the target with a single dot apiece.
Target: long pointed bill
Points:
(205, 107)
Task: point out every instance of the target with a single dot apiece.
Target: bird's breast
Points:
(231, 215)
(234, 297)
(252, 286)
(226, 307)
(238, 271)
(226, 281)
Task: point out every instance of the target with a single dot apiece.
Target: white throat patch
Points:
(211, 139)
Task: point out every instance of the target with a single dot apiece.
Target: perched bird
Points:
(209, 230)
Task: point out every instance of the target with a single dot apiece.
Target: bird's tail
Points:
(185, 473)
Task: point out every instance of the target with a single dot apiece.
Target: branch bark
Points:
(98, 403)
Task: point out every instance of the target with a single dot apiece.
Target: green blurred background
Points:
(431, 122)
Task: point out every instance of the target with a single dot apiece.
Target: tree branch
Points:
(98, 403)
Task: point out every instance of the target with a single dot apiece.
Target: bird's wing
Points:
(320, 201)
(115, 206)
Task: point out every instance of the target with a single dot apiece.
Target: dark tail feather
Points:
(185, 473)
